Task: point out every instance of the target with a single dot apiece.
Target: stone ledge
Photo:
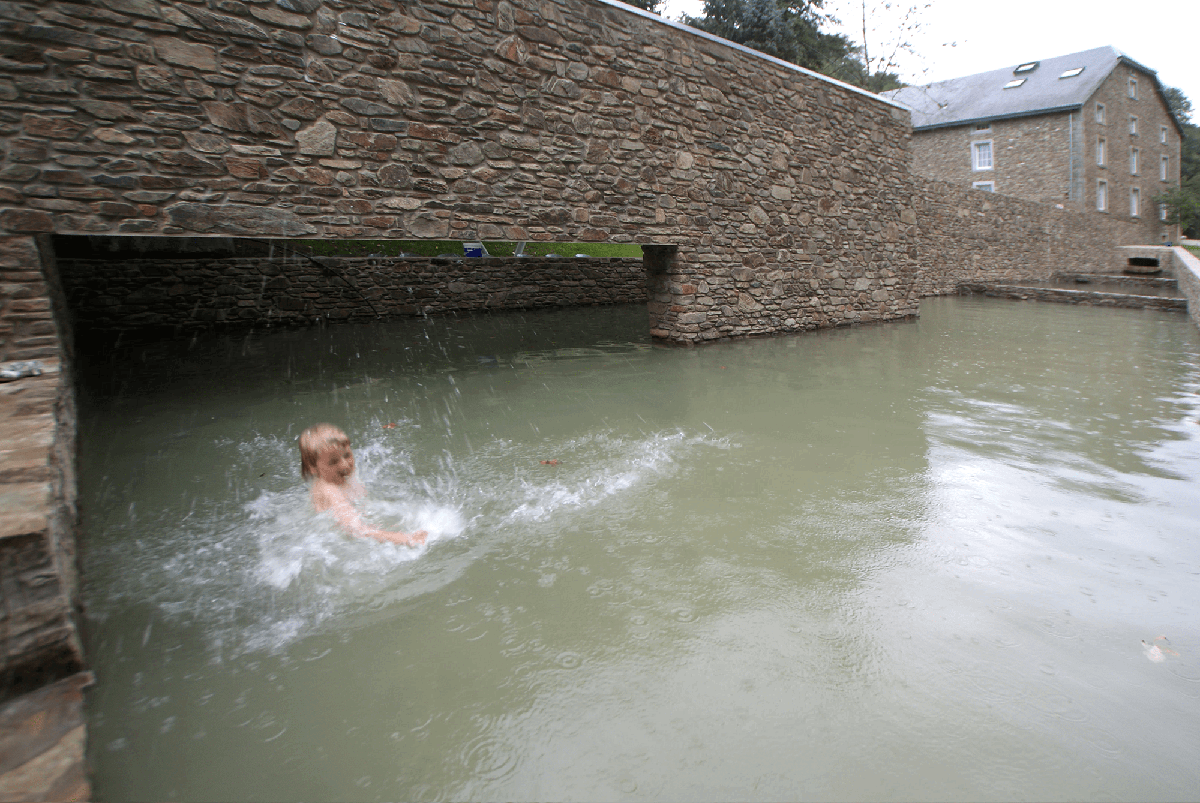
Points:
(42, 755)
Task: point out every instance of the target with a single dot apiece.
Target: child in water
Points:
(325, 455)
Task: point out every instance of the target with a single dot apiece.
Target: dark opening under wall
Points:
(148, 287)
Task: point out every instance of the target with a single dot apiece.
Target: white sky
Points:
(1160, 34)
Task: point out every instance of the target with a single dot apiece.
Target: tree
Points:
(792, 30)
(653, 6)
(1179, 104)
(758, 24)
(1183, 201)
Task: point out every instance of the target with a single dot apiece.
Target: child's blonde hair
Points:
(313, 440)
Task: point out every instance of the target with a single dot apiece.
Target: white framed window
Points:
(1071, 73)
(1100, 154)
(1133, 89)
(986, 186)
(1133, 125)
(1164, 167)
(1162, 134)
(983, 126)
(1102, 196)
(981, 155)
(1162, 212)
(1100, 113)
(1135, 202)
(1028, 66)
(1133, 161)
(1014, 83)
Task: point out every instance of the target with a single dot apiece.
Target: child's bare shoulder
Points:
(326, 495)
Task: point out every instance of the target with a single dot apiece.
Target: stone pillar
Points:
(661, 263)
(39, 640)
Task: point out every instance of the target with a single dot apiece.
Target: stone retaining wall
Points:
(554, 120)
(967, 235)
(39, 642)
(219, 293)
(1084, 298)
(1186, 269)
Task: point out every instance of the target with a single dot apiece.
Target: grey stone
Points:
(325, 45)
(360, 106)
(299, 6)
(238, 219)
(186, 54)
(319, 139)
(225, 24)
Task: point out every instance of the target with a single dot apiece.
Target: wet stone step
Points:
(1157, 298)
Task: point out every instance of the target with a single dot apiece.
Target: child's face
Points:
(335, 463)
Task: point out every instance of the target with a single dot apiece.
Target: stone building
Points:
(1091, 131)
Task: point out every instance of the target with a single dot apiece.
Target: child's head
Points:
(319, 440)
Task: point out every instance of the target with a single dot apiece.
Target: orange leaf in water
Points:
(389, 426)
(549, 462)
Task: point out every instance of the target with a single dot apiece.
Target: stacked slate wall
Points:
(567, 120)
(39, 641)
(186, 295)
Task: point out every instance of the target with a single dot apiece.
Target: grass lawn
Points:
(432, 248)
(1195, 249)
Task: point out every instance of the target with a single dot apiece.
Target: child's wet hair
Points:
(313, 440)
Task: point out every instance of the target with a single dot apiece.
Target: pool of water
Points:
(907, 561)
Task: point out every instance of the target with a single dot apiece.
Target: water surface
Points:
(908, 561)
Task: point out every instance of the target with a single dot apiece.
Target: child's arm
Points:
(325, 498)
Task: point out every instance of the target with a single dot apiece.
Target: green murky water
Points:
(910, 561)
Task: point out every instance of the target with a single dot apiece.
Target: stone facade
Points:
(185, 295)
(1031, 156)
(1056, 158)
(1153, 125)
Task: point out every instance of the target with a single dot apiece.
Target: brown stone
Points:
(36, 125)
(186, 54)
(25, 220)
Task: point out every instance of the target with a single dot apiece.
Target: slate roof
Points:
(982, 97)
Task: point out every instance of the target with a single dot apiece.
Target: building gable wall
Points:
(1153, 116)
(1052, 158)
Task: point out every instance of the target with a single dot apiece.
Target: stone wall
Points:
(1053, 158)
(964, 235)
(1031, 156)
(39, 642)
(561, 120)
(1186, 269)
(182, 295)
(1152, 115)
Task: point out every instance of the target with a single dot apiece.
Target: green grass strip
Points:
(433, 248)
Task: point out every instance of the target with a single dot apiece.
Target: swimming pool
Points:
(915, 560)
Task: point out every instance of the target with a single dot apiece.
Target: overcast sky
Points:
(1160, 34)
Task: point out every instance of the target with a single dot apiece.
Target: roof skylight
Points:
(1028, 66)
(1071, 73)
(1013, 84)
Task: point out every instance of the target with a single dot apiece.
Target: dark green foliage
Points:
(645, 5)
(1183, 201)
(791, 30)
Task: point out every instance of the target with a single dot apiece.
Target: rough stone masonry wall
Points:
(468, 119)
(182, 295)
(971, 236)
(38, 589)
(1030, 156)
